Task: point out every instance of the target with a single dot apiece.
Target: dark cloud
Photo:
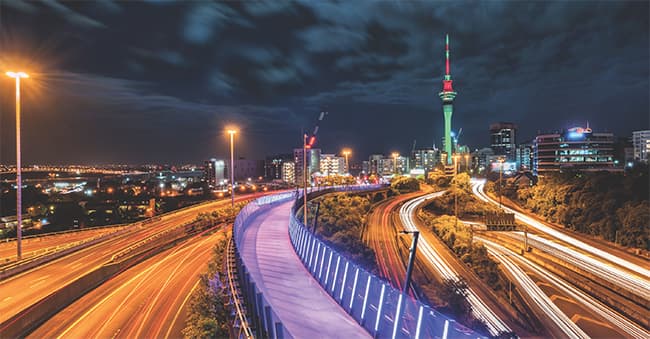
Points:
(185, 69)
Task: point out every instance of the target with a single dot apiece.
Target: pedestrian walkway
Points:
(304, 308)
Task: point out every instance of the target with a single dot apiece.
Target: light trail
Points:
(479, 309)
(477, 188)
(619, 277)
(535, 293)
(582, 298)
(636, 280)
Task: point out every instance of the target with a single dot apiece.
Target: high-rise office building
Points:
(331, 164)
(289, 172)
(313, 162)
(273, 166)
(213, 172)
(524, 156)
(574, 149)
(503, 139)
(641, 145)
(374, 163)
(425, 159)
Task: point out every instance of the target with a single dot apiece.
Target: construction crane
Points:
(308, 143)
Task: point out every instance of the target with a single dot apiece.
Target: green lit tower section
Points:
(447, 95)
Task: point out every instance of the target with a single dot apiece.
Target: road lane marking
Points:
(178, 312)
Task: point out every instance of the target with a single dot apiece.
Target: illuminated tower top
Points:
(447, 95)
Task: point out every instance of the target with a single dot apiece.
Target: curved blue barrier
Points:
(370, 300)
(266, 322)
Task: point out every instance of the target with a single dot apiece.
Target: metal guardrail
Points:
(236, 299)
(381, 309)
(43, 235)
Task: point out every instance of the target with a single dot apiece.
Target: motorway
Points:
(632, 267)
(28, 288)
(626, 272)
(33, 245)
(558, 299)
(381, 236)
(614, 266)
(482, 307)
(149, 299)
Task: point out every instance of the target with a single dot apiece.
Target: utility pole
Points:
(304, 179)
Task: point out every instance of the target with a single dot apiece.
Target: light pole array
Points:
(232, 133)
(19, 182)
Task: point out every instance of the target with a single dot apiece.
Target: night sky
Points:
(158, 81)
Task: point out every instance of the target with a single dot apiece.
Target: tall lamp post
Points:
(395, 155)
(19, 182)
(346, 152)
(409, 268)
(232, 166)
(304, 179)
(467, 161)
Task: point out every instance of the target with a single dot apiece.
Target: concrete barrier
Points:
(23, 266)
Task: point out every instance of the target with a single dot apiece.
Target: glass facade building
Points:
(574, 149)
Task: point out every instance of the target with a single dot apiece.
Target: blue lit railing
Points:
(370, 300)
(265, 321)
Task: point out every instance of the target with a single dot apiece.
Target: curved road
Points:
(33, 245)
(25, 289)
(480, 308)
(592, 257)
(147, 300)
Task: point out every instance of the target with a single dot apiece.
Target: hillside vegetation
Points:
(601, 204)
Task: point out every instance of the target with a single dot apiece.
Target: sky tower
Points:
(447, 95)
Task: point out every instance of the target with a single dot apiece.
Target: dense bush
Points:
(224, 214)
(469, 208)
(405, 184)
(459, 239)
(601, 204)
(341, 222)
(208, 314)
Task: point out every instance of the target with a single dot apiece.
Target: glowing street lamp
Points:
(346, 152)
(19, 183)
(232, 166)
(467, 161)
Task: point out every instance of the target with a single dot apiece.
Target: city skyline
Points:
(97, 98)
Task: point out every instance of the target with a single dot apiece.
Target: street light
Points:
(467, 161)
(304, 179)
(19, 182)
(395, 155)
(346, 152)
(232, 166)
(409, 268)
